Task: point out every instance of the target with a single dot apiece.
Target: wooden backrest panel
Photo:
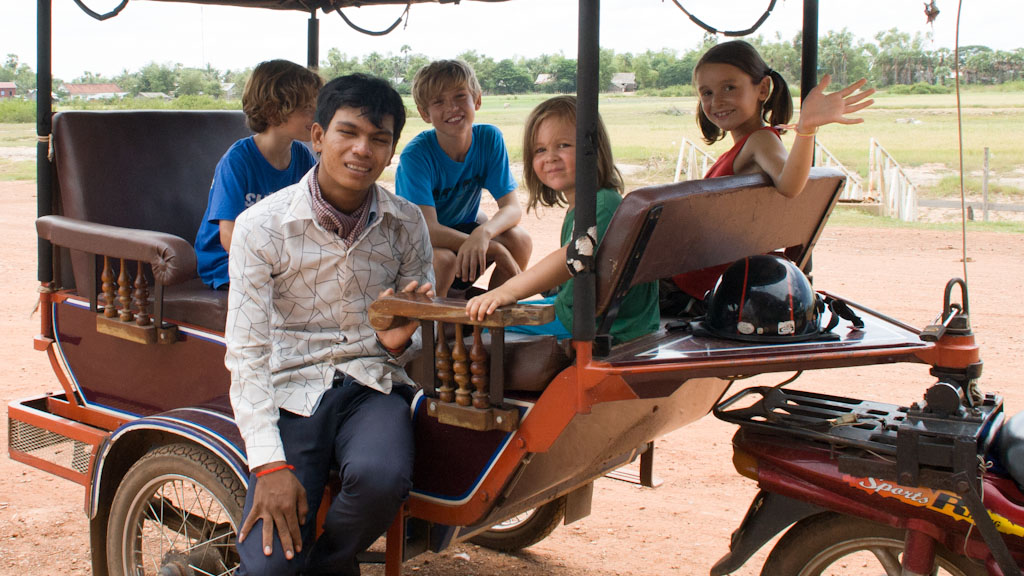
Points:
(702, 223)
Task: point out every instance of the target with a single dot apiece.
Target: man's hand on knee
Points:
(280, 501)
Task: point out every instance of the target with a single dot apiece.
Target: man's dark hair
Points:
(372, 95)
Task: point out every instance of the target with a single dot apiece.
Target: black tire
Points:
(523, 530)
(817, 543)
(179, 506)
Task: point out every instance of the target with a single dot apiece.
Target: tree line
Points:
(892, 58)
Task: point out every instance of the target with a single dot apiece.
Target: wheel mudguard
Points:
(769, 514)
(205, 427)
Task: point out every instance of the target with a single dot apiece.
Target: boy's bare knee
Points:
(518, 242)
(444, 270)
(444, 259)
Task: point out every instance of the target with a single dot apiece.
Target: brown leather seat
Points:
(145, 170)
(195, 303)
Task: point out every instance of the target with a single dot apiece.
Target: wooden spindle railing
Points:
(443, 366)
(108, 287)
(140, 299)
(128, 306)
(461, 368)
(470, 393)
(124, 294)
(478, 370)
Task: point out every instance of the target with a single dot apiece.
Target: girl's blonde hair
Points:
(564, 107)
(777, 109)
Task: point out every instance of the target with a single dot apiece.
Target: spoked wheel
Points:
(835, 545)
(176, 513)
(524, 529)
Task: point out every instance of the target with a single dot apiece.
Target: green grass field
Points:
(915, 129)
(646, 132)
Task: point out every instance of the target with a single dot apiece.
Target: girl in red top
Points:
(741, 96)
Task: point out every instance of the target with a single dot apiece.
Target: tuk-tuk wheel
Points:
(178, 508)
(523, 530)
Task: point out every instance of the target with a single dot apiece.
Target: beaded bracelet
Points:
(795, 130)
(275, 469)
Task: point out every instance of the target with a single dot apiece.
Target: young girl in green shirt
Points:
(549, 169)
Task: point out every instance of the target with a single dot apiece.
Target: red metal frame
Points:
(810, 474)
(60, 425)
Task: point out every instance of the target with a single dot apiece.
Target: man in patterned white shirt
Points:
(313, 386)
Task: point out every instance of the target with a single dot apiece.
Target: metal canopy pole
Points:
(809, 76)
(809, 53)
(44, 123)
(587, 74)
(313, 41)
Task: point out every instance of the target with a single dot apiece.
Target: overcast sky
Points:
(236, 38)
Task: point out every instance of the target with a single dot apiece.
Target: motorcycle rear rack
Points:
(917, 437)
(914, 446)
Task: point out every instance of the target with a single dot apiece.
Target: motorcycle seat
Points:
(1010, 446)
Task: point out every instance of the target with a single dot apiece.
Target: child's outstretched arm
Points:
(546, 274)
(790, 173)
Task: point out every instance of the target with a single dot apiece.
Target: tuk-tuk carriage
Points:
(505, 424)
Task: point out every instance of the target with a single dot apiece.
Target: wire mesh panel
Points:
(48, 445)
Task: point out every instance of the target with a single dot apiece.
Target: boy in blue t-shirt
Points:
(279, 102)
(445, 170)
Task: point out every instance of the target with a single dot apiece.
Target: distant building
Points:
(31, 95)
(94, 91)
(544, 79)
(623, 82)
(228, 91)
(154, 96)
(8, 90)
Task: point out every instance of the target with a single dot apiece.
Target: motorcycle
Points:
(926, 489)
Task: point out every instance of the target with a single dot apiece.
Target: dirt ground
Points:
(681, 527)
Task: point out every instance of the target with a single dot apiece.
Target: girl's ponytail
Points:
(778, 108)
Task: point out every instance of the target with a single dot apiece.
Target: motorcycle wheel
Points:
(176, 512)
(838, 545)
(523, 530)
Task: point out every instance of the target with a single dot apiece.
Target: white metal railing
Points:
(853, 190)
(886, 176)
(693, 162)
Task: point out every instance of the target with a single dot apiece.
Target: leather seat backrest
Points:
(148, 170)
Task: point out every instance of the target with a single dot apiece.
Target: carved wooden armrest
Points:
(395, 310)
(172, 259)
(464, 385)
(128, 310)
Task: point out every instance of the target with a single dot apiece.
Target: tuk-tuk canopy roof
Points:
(322, 5)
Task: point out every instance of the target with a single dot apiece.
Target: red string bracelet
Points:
(275, 469)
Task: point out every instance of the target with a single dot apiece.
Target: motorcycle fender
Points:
(769, 514)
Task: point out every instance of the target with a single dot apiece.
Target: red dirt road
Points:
(681, 527)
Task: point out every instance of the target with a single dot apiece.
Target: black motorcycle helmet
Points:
(764, 298)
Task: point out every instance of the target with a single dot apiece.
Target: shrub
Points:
(678, 91)
(203, 102)
(17, 111)
(919, 88)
